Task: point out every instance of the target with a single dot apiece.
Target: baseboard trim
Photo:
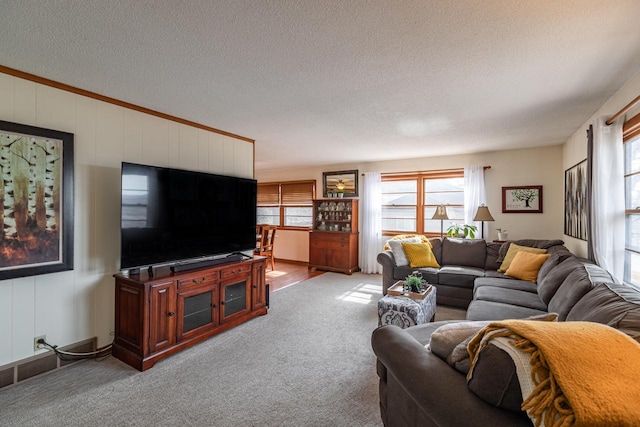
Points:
(41, 364)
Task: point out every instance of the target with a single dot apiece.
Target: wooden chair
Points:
(265, 246)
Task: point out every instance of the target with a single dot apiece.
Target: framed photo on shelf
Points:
(522, 199)
(36, 200)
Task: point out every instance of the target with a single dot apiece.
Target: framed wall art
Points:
(340, 182)
(36, 200)
(576, 189)
(522, 199)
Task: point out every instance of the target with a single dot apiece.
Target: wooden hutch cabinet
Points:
(159, 315)
(333, 240)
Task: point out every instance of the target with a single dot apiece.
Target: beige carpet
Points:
(307, 363)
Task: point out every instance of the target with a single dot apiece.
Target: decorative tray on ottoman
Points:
(398, 290)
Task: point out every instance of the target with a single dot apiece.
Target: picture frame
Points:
(576, 201)
(332, 181)
(36, 200)
(522, 199)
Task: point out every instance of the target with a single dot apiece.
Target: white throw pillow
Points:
(398, 251)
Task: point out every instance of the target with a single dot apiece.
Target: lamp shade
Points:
(483, 214)
(441, 213)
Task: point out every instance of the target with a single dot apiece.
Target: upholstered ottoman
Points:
(404, 312)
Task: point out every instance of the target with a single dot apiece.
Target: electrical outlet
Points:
(35, 342)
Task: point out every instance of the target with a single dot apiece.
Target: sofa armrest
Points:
(437, 390)
(388, 263)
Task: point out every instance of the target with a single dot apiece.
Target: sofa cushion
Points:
(495, 379)
(612, 304)
(398, 251)
(419, 255)
(510, 296)
(430, 274)
(436, 248)
(574, 287)
(497, 282)
(525, 266)
(466, 252)
(549, 284)
(491, 310)
(548, 265)
(513, 251)
(491, 261)
(460, 276)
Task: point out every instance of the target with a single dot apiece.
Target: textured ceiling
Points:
(328, 81)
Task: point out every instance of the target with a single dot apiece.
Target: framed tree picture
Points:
(36, 200)
(523, 199)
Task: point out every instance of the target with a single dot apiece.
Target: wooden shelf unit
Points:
(333, 239)
(160, 315)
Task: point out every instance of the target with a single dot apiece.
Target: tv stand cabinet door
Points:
(235, 297)
(162, 316)
(197, 311)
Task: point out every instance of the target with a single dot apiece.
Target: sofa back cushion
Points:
(493, 250)
(612, 304)
(577, 284)
(549, 283)
(465, 252)
(548, 265)
(436, 248)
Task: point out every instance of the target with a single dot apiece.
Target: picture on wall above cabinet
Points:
(522, 199)
(36, 200)
(576, 188)
(340, 183)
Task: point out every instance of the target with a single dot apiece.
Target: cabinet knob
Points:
(222, 302)
(171, 313)
(213, 305)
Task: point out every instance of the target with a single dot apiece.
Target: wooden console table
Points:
(157, 316)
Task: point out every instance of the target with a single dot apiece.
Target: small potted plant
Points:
(462, 230)
(502, 234)
(414, 282)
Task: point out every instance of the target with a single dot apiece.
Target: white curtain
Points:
(474, 194)
(371, 230)
(607, 201)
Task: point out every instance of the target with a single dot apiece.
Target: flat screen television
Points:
(172, 215)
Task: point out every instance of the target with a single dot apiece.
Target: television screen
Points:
(170, 215)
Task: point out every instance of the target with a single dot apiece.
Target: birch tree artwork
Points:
(30, 200)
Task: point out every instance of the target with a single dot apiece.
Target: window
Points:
(286, 204)
(410, 200)
(632, 211)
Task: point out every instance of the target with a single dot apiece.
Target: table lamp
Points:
(441, 214)
(483, 215)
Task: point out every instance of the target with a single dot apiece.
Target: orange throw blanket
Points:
(585, 374)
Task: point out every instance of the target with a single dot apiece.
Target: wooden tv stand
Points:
(157, 316)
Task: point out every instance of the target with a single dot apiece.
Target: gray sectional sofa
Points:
(461, 261)
(419, 387)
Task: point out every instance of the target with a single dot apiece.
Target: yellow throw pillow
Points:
(513, 250)
(525, 266)
(420, 255)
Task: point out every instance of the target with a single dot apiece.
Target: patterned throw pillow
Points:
(419, 255)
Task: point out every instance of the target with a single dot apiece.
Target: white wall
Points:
(533, 166)
(575, 149)
(75, 305)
